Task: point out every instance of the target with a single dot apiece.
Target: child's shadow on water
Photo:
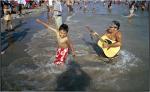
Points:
(73, 79)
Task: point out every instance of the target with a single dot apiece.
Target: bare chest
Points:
(111, 36)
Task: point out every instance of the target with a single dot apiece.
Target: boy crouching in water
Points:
(64, 43)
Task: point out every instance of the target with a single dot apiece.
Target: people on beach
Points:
(143, 6)
(85, 5)
(57, 13)
(112, 34)
(131, 11)
(20, 6)
(69, 4)
(110, 5)
(94, 7)
(64, 42)
(50, 11)
(50, 6)
(7, 18)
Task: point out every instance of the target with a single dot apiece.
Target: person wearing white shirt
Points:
(50, 6)
(57, 13)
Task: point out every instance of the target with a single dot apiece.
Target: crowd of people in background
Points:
(54, 7)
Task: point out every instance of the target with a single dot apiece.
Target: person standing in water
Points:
(85, 5)
(64, 43)
(7, 18)
(131, 11)
(57, 13)
(50, 11)
(69, 4)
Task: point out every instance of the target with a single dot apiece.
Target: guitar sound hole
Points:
(108, 41)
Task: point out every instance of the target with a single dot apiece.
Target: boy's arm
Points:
(46, 25)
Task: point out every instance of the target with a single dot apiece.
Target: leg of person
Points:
(11, 27)
(7, 23)
(58, 21)
(51, 19)
(47, 8)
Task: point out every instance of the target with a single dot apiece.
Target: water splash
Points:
(81, 50)
(123, 63)
(69, 19)
(126, 61)
(110, 74)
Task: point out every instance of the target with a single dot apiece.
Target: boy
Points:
(64, 43)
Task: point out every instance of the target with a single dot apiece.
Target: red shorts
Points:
(61, 56)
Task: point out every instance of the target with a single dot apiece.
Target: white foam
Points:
(81, 50)
(71, 20)
(125, 62)
(52, 68)
(81, 53)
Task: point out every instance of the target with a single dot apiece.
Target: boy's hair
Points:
(64, 27)
(116, 23)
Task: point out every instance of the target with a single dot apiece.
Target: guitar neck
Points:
(102, 40)
(89, 29)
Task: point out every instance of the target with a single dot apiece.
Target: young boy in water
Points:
(64, 43)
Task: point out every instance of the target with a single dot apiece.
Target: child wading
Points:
(64, 43)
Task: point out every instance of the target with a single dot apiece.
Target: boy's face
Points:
(112, 28)
(62, 33)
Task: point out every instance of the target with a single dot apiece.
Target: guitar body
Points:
(111, 52)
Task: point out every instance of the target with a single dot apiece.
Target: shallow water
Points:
(128, 72)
